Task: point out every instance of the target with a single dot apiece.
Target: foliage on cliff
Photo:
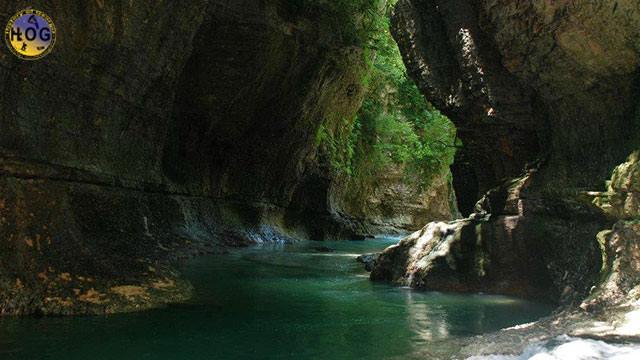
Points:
(396, 126)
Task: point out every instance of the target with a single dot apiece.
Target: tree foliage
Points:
(396, 125)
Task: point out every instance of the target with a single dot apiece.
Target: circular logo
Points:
(30, 34)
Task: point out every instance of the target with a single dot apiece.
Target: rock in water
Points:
(511, 245)
(369, 260)
(430, 259)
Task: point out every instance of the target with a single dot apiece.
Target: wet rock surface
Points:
(368, 260)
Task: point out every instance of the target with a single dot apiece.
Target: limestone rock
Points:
(369, 260)
(157, 131)
(513, 244)
(542, 87)
(525, 81)
(622, 198)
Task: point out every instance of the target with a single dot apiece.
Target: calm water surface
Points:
(277, 302)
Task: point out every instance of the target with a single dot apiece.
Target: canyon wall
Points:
(394, 203)
(161, 130)
(544, 96)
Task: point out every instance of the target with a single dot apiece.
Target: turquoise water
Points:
(277, 302)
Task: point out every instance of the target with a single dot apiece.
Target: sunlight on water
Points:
(567, 348)
(277, 302)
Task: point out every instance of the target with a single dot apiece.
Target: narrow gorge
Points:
(193, 159)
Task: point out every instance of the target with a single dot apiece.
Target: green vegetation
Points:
(396, 126)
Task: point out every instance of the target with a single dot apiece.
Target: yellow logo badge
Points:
(30, 34)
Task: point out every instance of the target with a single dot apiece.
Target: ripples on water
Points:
(567, 348)
(277, 302)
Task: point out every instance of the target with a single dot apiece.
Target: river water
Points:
(277, 302)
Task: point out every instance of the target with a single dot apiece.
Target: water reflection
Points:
(428, 322)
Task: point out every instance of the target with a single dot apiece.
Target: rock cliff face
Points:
(394, 204)
(457, 66)
(552, 80)
(154, 131)
(611, 310)
(544, 93)
(106, 174)
(514, 244)
(620, 275)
